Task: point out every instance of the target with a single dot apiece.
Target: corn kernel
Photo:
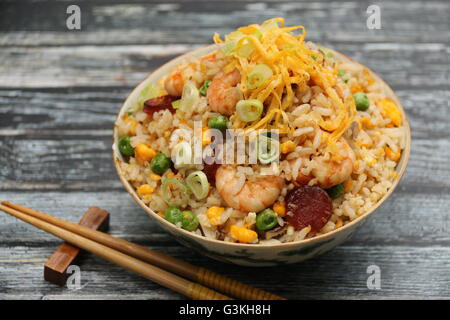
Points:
(287, 147)
(394, 175)
(339, 222)
(144, 153)
(214, 214)
(145, 189)
(280, 209)
(394, 156)
(133, 124)
(206, 137)
(367, 123)
(170, 174)
(356, 87)
(242, 234)
(155, 177)
(390, 110)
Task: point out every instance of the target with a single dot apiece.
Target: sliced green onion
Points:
(205, 87)
(198, 183)
(343, 75)
(235, 35)
(229, 47)
(172, 185)
(260, 74)
(232, 39)
(327, 52)
(257, 34)
(176, 104)
(153, 90)
(272, 24)
(249, 110)
(268, 149)
(188, 97)
(246, 49)
(336, 191)
(183, 154)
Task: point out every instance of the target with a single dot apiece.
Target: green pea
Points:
(125, 147)
(218, 122)
(204, 87)
(189, 220)
(160, 163)
(266, 219)
(173, 214)
(361, 101)
(335, 191)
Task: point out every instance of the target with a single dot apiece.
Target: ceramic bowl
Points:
(253, 254)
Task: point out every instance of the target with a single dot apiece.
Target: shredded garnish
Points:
(293, 64)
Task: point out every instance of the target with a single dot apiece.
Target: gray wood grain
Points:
(60, 92)
(401, 65)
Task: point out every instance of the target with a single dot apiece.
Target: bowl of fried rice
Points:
(263, 148)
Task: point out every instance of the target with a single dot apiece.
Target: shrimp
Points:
(330, 172)
(175, 81)
(196, 71)
(223, 93)
(247, 196)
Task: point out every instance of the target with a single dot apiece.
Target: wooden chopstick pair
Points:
(148, 263)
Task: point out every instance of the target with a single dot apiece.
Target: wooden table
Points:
(60, 91)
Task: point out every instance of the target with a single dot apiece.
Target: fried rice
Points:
(309, 95)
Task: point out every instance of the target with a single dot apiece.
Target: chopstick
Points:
(190, 289)
(184, 269)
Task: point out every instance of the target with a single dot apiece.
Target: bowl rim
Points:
(401, 166)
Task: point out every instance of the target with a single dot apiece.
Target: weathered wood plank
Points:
(406, 272)
(61, 91)
(402, 65)
(194, 22)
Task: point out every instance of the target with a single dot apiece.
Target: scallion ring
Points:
(175, 192)
(260, 74)
(228, 48)
(176, 104)
(268, 149)
(198, 183)
(249, 110)
(257, 34)
(246, 49)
